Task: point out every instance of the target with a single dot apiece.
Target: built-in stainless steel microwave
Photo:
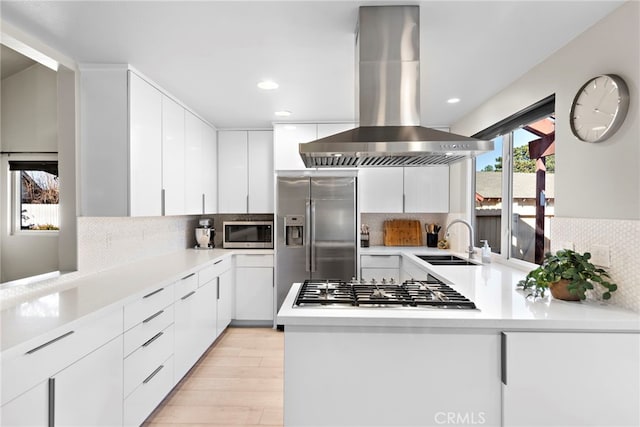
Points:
(247, 234)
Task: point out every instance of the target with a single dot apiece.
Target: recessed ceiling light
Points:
(268, 85)
(283, 113)
(453, 100)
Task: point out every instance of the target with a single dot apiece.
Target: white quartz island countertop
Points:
(492, 287)
(30, 316)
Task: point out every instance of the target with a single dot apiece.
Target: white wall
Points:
(29, 112)
(29, 124)
(592, 180)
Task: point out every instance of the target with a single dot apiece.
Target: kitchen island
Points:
(504, 363)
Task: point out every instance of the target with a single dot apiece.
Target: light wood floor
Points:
(239, 382)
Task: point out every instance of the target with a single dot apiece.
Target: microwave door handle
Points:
(307, 237)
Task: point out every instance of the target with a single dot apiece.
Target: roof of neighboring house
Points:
(489, 185)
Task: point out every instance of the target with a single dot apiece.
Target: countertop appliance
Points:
(428, 293)
(247, 234)
(316, 230)
(388, 76)
(205, 234)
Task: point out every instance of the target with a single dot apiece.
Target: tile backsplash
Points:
(622, 236)
(107, 242)
(375, 221)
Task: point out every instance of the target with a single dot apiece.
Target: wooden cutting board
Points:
(402, 232)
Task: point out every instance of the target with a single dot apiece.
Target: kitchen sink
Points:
(445, 260)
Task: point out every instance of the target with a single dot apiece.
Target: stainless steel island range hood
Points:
(388, 49)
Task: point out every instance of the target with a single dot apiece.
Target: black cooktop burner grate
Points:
(413, 293)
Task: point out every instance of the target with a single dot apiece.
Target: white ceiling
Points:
(211, 54)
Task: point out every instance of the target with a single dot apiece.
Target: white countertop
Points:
(491, 287)
(29, 317)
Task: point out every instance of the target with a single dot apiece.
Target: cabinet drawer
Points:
(139, 405)
(254, 260)
(185, 285)
(55, 352)
(212, 271)
(379, 261)
(150, 303)
(142, 362)
(143, 332)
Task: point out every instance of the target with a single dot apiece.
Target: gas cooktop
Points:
(431, 292)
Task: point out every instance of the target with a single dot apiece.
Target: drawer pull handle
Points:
(153, 293)
(217, 262)
(153, 316)
(40, 347)
(153, 374)
(188, 295)
(187, 276)
(152, 339)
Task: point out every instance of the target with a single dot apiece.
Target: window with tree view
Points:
(514, 197)
(36, 195)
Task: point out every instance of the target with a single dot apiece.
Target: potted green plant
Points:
(568, 275)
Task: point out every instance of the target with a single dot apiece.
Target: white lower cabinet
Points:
(139, 404)
(254, 287)
(29, 409)
(570, 379)
(86, 393)
(225, 300)
(187, 329)
(89, 392)
(380, 267)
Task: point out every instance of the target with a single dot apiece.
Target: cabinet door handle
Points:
(51, 417)
(218, 288)
(188, 295)
(503, 358)
(41, 346)
(153, 316)
(203, 204)
(155, 337)
(188, 275)
(162, 201)
(153, 374)
(153, 293)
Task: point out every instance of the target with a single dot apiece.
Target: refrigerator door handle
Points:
(313, 236)
(307, 237)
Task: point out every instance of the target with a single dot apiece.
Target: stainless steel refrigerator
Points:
(316, 230)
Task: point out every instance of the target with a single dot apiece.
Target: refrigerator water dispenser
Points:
(293, 230)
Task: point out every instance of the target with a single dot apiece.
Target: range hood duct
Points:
(388, 70)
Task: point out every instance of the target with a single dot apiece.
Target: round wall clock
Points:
(599, 108)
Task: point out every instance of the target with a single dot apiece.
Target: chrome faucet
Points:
(470, 249)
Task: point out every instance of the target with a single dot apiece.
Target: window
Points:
(514, 184)
(36, 195)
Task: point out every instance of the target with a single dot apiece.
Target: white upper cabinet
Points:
(173, 156)
(260, 168)
(245, 172)
(210, 169)
(194, 165)
(138, 142)
(286, 138)
(145, 145)
(328, 129)
(381, 189)
(233, 174)
(426, 189)
(398, 190)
